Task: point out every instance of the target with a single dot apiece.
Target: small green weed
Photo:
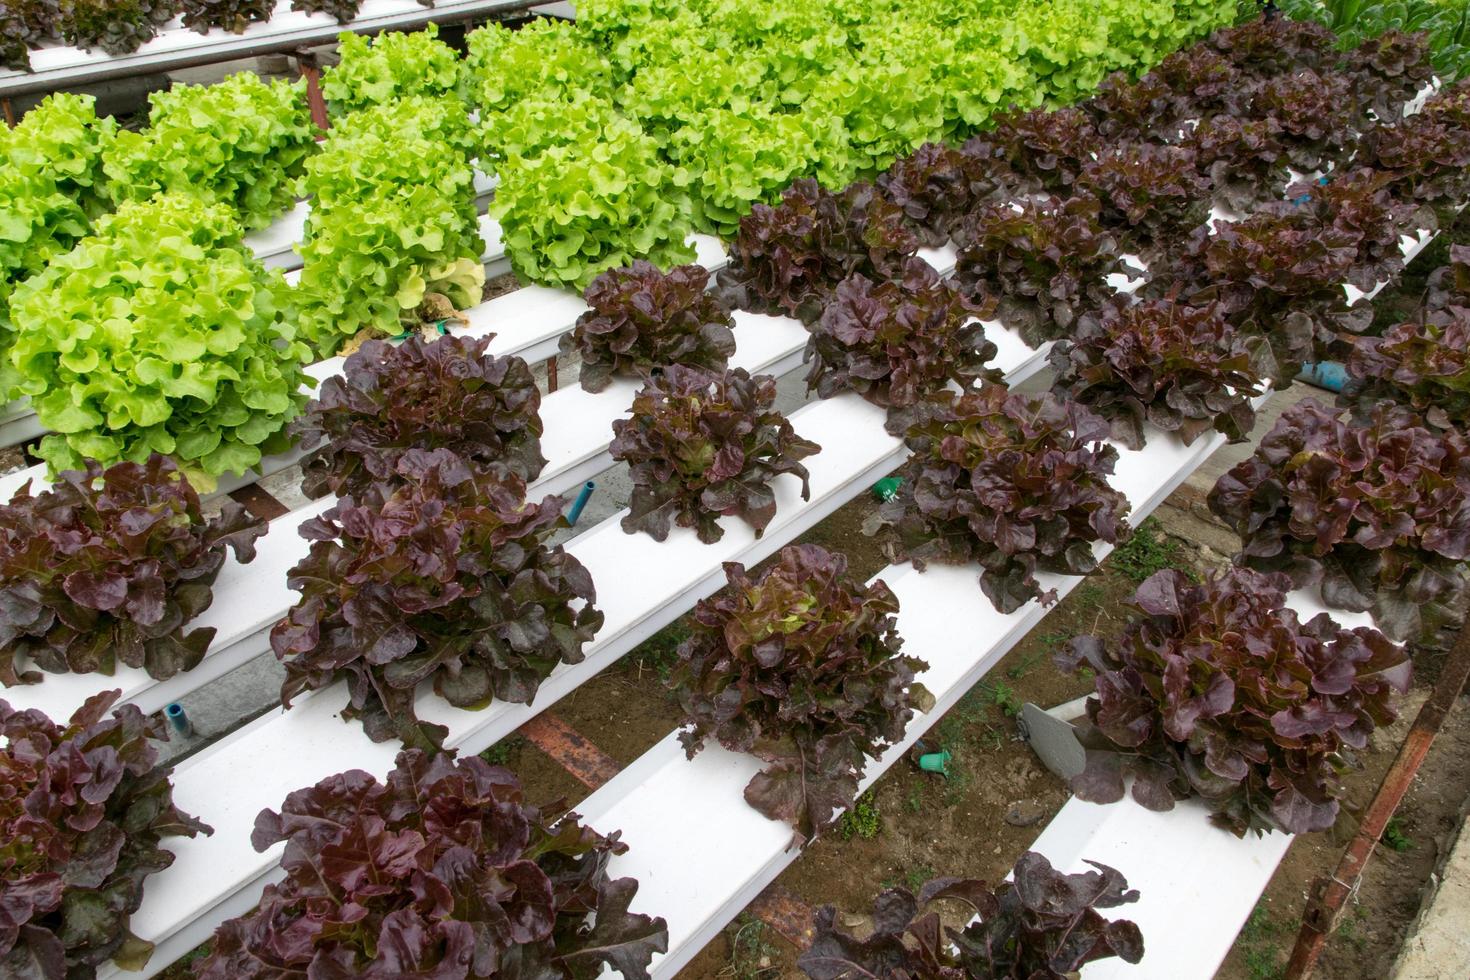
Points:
(1147, 551)
(1004, 697)
(1350, 930)
(863, 820)
(1260, 943)
(660, 652)
(1089, 596)
(1029, 662)
(752, 955)
(499, 754)
(1395, 837)
(915, 877)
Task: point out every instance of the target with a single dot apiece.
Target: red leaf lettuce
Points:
(1217, 690)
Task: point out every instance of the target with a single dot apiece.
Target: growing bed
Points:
(644, 581)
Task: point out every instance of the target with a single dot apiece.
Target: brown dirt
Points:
(12, 459)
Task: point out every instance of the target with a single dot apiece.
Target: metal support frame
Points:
(1330, 894)
(259, 502)
(310, 69)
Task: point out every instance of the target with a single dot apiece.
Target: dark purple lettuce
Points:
(26, 24)
(1313, 117)
(1278, 274)
(344, 10)
(1180, 368)
(1360, 204)
(107, 567)
(1426, 155)
(1049, 146)
(1389, 70)
(937, 186)
(1424, 365)
(642, 318)
(1148, 110)
(899, 341)
(1377, 514)
(115, 26)
(1151, 195)
(1243, 160)
(1041, 925)
(1015, 483)
(787, 260)
(1044, 261)
(444, 871)
(441, 394)
(1217, 690)
(1449, 285)
(799, 666)
(443, 575)
(1204, 81)
(1271, 47)
(229, 15)
(83, 809)
(702, 445)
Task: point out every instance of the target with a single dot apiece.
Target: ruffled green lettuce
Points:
(159, 333)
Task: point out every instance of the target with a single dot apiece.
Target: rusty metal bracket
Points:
(259, 502)
(1331, 893)
(310, 69)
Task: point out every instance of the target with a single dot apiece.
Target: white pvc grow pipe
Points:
(57, 66)
(1197, 883)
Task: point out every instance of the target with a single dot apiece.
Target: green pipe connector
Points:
(440, 326)
(887, 488)
(936, 762)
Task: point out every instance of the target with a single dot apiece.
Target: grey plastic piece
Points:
(1054, 741)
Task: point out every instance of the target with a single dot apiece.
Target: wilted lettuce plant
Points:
(800, 667)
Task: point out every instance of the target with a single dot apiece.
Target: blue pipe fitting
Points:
(581, 502)
(178, 720)
(1327, 375)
